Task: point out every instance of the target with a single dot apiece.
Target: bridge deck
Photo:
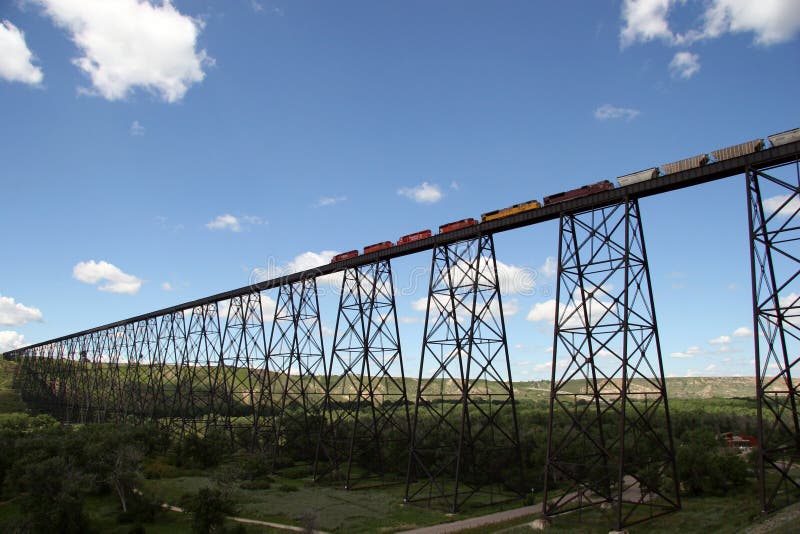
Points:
(761, 160)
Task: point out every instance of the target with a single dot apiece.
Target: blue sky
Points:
(153, 153)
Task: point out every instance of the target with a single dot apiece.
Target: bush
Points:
(209, 509)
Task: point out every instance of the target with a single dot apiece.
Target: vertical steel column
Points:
(610, 437)
(465, 436)
(775, 262)
(297, 370)
(366, 412)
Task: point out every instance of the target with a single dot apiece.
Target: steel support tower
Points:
(465, 436)
(241, 373)
(609, 437)
(366, 412)
(773, 200)
(297, 371)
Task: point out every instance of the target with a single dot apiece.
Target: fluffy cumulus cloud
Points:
(129, 44)
(645, 20)
(10, 340)
(109, 277)
(742, 331)
(16, 314)
(783, 206)
(302, 262)
(721, 340)
(515, 280)
(543, 311)
(770, 21)
(16, 59)
(684, 65)
(609, 112)
(424, 193)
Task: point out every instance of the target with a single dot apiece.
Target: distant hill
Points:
(725, 387)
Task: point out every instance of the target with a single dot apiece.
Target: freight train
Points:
(722, 154)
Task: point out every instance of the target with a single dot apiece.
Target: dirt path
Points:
(482, 521)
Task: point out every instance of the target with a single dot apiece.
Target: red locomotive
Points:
(424, 234)
(463, 223)
(605, 185)
(378, 246)
(344, 256)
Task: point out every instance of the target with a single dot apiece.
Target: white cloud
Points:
(420, 304)
(455, 186)
(543, 366)
(771, 21)
(225, 222)
(510, 307)
(721, 340)
(549, 268)
(16, 60)
(688, 353)
(127, 44)
(786, 206)
(543, 311)
(302, 262)
(607, 112)
(10, 340)
(424, 193)
(645, 20)
(16, 314)
(515, 280)
(116, 281)
(742, 331)
(329, 201)
(684, 65)
(268, 306)
(137, 130)
(166, 286)
(253, 219)
(410, 320)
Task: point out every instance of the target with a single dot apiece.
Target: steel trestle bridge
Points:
(217, 365)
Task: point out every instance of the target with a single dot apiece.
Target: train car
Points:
(505, 212)
(344, 256)
(685, 164)
(457, 225)
(416, 236)
(741, 149)
(378, 246)
(636, 177)
(784, 138)
(605, 185)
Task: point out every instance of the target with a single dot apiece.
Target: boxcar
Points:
(784, 138)
(636, 177)
(741, 149)
(685, 164)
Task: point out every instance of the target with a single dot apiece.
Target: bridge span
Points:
(217, 364)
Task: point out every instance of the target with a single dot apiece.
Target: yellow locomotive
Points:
(512, 210)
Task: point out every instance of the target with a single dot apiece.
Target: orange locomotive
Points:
(416, 236)
(457, 225)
